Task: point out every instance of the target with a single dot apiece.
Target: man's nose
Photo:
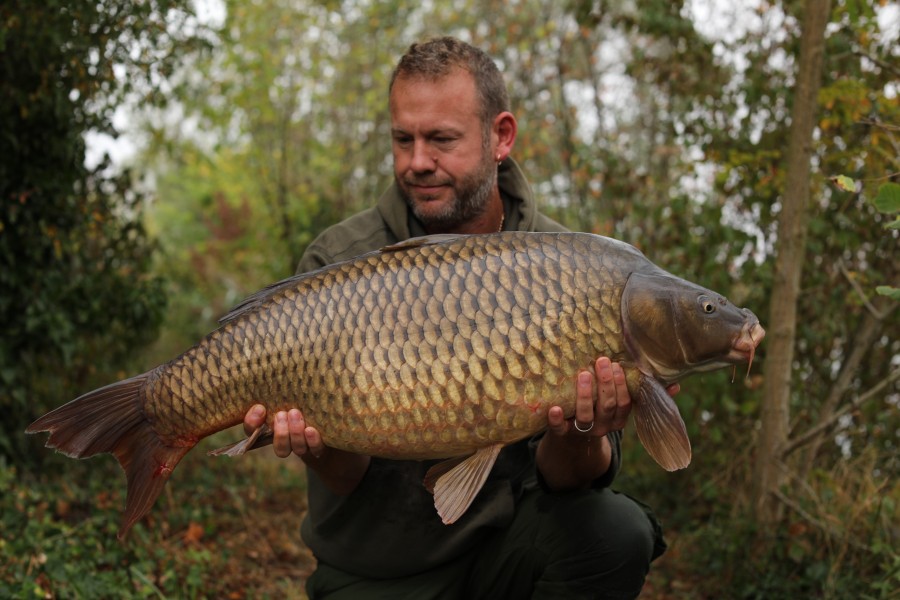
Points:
(422, 158)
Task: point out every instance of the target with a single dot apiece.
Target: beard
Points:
(469, 200)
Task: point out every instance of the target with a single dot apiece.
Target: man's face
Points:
(442, 166)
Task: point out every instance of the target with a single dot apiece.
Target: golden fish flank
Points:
(435, 347)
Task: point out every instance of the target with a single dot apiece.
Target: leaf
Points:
(889, 291)
(888, 198)
(193, 534)
(847, 184)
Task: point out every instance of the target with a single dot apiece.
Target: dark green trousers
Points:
(592, 544)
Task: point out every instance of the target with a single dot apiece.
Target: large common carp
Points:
(437, 347)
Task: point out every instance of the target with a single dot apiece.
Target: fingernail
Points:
(584, 378)
(259, 410)
(281, 417)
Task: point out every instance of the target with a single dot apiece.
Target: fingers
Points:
(292, 435)
(606, 387)
(602, 402)
(297, 432)
(556, 421)
(584, 400)
(255, 418)
(314, 442)
(613, 400)
(281, 441)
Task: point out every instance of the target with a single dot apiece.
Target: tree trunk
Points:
(770, 473)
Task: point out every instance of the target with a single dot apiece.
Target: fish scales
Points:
(435, 347)
(476, 349)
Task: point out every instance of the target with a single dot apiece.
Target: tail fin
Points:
(111, 419)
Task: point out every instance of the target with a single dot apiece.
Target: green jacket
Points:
(388, 527)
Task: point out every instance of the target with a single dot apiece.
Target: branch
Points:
(879, 124)
(888, 129)
(814, 432)
(828, 529)
(884, 65)
(879, 315)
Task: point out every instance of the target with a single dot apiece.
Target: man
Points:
(545, 525)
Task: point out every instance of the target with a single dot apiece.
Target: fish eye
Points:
(707, 305)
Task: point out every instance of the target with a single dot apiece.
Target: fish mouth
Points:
(744, 348)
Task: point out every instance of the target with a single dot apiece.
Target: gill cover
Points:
(673, 327)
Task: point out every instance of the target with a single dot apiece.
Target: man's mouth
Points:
(427, 191)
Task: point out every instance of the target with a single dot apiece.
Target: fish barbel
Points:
(436, 347)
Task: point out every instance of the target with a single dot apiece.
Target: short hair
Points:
(437, 57)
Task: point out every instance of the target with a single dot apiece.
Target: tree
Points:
(76, 291)
(789, 260)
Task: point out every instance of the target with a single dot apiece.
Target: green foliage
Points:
(59, 534)
(888, 198)
(886, 201)
(76, 292)
(844, 251)
(839, 541)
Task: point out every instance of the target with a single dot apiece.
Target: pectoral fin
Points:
(456, 482)
(660, 426)
(261, 437)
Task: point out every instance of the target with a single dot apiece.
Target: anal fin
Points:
(262, 436)
(660, 426)
(456, 482)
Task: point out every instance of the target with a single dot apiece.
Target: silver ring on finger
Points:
(586, 429)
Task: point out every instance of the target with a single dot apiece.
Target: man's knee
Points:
(606, 522)
(595, 544)
(603, 544)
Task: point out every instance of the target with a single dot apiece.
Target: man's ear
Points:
(504, 132)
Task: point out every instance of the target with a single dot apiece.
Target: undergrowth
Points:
(229, 528)
(839, 538)
(223, 528)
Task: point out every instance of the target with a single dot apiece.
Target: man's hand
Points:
(291, 434)
(596, 413)
(576, 451)
(340, 470)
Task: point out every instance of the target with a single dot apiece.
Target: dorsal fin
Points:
(256, 299)
(425, 240)
(251, 302)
